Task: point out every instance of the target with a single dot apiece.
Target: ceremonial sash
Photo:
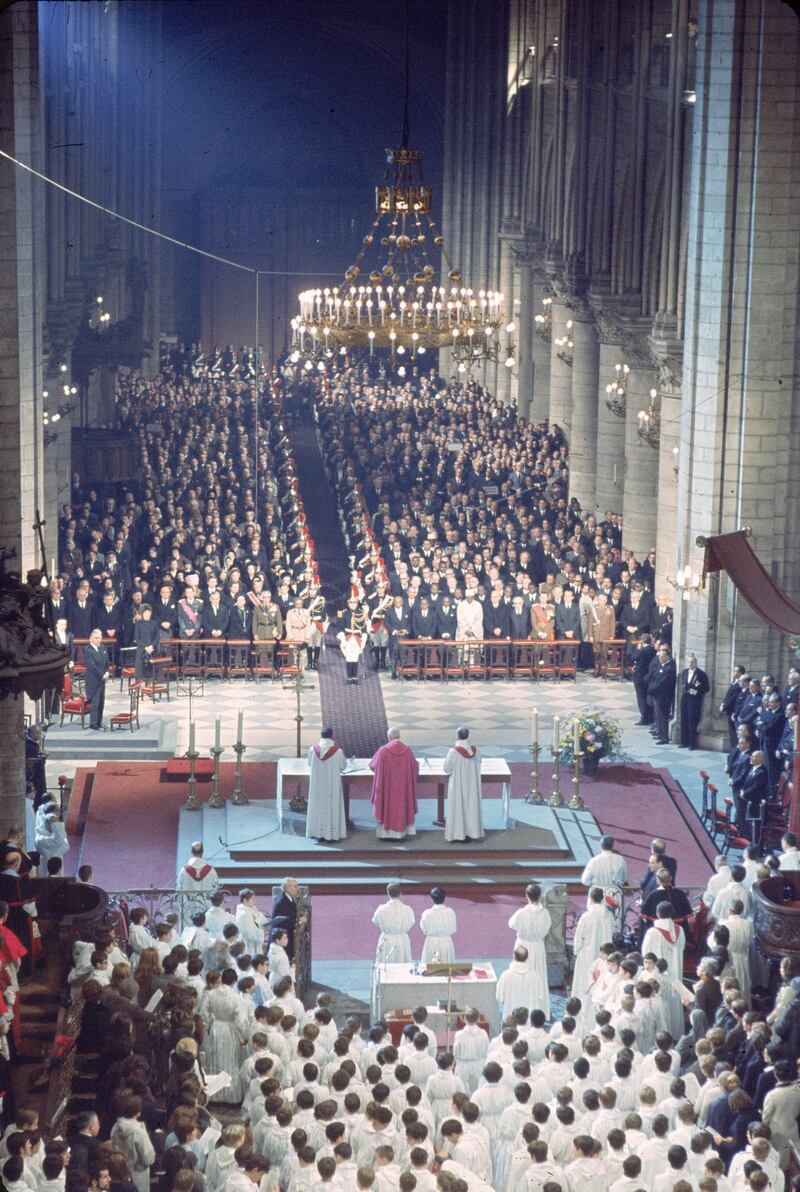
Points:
(197, 874)
(190, 613)
(468, 753)
(320, 626)
(327, 756)
(251, 596)
(663, 931)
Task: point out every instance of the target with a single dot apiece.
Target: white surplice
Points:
(394, 919)
(532, 923)
(438, 924)
(464, 811)
(594, 928)
(325, 819)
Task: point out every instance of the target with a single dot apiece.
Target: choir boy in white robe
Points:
(519, 985)
(735, 890)
(438, 924)
(278, 958)
(470, 1045)
(252, 923)
(594, 928)
(325, 819)
(718, 880)
(532, 923)
(394, 919)
(139, 937)
(217, 918)
(464, 811)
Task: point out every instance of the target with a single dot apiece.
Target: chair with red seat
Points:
(731, 837)
(73, 704)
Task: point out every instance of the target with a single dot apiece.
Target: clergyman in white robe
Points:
(438, 924)
(532, 923)
(594, 928)
(198, 881)
(464, 811)
(325, 818)
(666, 940)
(470, 1045)
(740, 931)
(519, 986)
(394, 919)
(51, 841)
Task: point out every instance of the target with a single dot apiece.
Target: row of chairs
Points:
(485, 660)
(767, 823)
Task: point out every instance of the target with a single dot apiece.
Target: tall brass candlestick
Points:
(534, 795)
(239, 797)
(192, 802)
(556, 799)
(216, 799)
(576, 802)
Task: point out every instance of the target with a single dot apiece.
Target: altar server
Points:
(394, 919)
(438, 924)
(252, 923)
(532, 923)
(325, 819)
(470, 1045)
(594, 928)
(464, 815)
(197, 880)
(520, 985)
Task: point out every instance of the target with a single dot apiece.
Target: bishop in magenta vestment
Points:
(394, 794)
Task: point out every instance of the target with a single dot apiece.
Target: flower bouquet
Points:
(600, 737)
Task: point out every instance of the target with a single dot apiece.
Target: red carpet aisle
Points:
(129, 817)
(355, 713)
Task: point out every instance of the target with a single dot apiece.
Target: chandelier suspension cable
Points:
(406, 128)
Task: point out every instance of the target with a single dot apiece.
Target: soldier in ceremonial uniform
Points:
(378, 606)
(352, 636)
(298, 629)
(318, 611)
(267, 619)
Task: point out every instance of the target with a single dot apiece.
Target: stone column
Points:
(669, 461)
(525, 259)
(640, 497)
(583, 434)
(21, 286)
(540, 351)
(560, 369)
(610, 436)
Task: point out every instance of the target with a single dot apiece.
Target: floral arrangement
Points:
(600, 735)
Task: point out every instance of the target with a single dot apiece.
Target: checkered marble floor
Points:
(498, 713)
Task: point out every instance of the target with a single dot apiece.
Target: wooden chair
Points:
(545, 660)
(497, 660)
(239, 661)
(521, 657)
(192, 662)
(215, 659)
(730, 836)
(157, 683)
(130, 718)
(263, 666)
(612, 661)
(474, 660)
(409, 659)
(290, 658)
(431, 665)
(73, 704)
(567, 660)
(127, 670)
(452, 662)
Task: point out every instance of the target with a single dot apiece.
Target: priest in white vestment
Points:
(667, 941)
(608, 870)
(740, 933)
(51, 840)
(394, 918)
(438, 924)
(325, 818)
(532, 923)
(470, 1045)
(197, 881)
(594, 928)
(464, 811)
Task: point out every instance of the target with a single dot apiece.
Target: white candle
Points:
(216, 733)
(535, 726)
(239, 725)
(577, 736)
(556, 730)
(191, 736)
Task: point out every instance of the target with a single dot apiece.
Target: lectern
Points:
(455, 968)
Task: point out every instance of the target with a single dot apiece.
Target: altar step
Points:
(155, 740)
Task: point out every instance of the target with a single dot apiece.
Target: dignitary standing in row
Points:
(694, 686)
(394, 788)
(325, 818)
(464, 813)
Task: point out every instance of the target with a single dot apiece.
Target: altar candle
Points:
(239, 725)
(191, 736)
(535, 726)
(577, 736)
(556, 728)
(216, 733)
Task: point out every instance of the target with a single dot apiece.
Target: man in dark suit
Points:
(791, 694)
(769, 726)
(285, 913)
(96, 661)
(81, 618)
(658, 847)
(398, 625)
(446, 618)
(694, 685)
(568, 618)
(240, 620)
(708, 991)
(665, 891)
(749, 706)
(165, 612)
(661, 693)
(423, 620)
(755, 791)
(729, 702)
(643, 658)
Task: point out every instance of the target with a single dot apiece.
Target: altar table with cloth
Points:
(400, 988)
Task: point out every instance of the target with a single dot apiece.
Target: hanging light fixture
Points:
(393, 298)
(649, 424)
(617, 391)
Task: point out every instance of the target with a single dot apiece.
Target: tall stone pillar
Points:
(610, 435)
(640, 497)
(540, 349)
(560, 369)
(525, 259)
(21, 285)
(669, 460)
(583, 433)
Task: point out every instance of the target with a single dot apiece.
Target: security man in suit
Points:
(661, 693)
(694, 685)
(643, 659)
(97, 672)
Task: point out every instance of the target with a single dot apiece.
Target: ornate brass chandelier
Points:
(393, 298)
(617, 391)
